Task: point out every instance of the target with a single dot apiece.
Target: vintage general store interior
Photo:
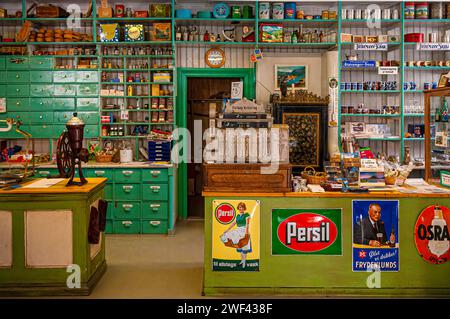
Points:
(348, 87)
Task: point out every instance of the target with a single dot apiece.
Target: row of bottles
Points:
(137, 51)
(309, 36)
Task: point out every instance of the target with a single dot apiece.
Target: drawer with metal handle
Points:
(154, 175)
(127, 210)
(127, 175)
(127, 191)
(155, 210)
(155, 192)
(154, 226)
(127, 226)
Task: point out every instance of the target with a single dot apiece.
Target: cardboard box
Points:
(383, 38)
(359, 38)
(155, 89)
(346, 37)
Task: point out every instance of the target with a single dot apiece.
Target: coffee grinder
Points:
(70, 151)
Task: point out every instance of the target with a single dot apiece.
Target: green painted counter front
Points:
(316, 275)
(23, 277)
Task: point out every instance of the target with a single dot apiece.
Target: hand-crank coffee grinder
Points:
(70, 151)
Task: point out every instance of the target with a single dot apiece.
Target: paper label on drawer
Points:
(3, 105)
(235, 235)
(433, 46)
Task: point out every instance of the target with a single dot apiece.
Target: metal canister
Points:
(437, 10)
(395, 15)
(264, 10)
(325, 14)
(421, 10)
(344, 14)
(358, 13)
(409, 10)
(278, 10)
(448, 11)
(350, 13)
(129, 13)
(386, 14)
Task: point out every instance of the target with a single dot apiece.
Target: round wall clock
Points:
(215, 58)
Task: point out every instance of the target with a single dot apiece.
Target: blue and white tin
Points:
(278, 10)
(264, 10)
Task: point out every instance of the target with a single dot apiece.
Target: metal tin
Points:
(129, 13)
(386, 14)
(421, 10)
(365, 14)
(325, 14)
(344, 13)
(289, 10)
(437, 10)
(358, 13)
(409, 10)
(433, 37)
(395, 14)
(350, 14)
(264, 10)
(278, 10)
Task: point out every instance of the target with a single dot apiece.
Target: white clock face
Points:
(215, 58)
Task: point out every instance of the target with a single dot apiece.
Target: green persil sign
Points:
(445, 178)
(306, 231)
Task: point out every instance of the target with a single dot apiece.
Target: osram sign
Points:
(303, 231)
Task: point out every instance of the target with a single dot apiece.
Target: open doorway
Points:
(200, 93)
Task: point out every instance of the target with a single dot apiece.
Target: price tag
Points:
(433, 46)
(388, 70)
(371, 46)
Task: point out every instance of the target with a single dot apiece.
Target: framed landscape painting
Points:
(294, 75)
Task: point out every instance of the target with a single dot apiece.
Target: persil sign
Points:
(306, 231)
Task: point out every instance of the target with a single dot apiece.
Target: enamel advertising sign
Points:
(306, 231)
(431, 234)
(375, 235)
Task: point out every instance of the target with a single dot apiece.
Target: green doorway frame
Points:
(247, 75)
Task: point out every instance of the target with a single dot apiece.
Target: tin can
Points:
(300, 14)
(344, 109)
(421, 10)
(358, 14)
(448, 11)
(129, 13)
(409, 10)
(344, 14)
(343, 85)
(325, 15)
(437, 10)
(264, 10)
(348, 86)
(354, 86)
(120, 10)
(426, 86)
(289, 10)
(278, 10)
(386, 14)
(360, 86)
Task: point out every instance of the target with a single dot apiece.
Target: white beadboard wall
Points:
(194, 57)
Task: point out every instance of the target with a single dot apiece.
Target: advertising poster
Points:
(431, 234)
(306, 231)
(235, 235)
(375, 235)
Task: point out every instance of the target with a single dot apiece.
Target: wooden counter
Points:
(44, 240)
(327, 275)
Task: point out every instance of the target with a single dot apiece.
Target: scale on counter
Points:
(15, 175)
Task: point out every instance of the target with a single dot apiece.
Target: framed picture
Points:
(294, 75)
(441, 139)
(443, 80)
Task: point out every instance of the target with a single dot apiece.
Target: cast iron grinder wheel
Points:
(64, 156)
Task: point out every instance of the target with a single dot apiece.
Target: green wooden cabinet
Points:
(17, 104)
(109, 192)
(64, 90)
(63, 104)
(2, 63)
(127, 176)
(87, 76)
(154, 175)
(40, 90)
(87, 104)
(89, 117)
(127, 191)
(154, 210)
(17, 63)
(63, 76)
(41, 62)
(154, 226)
(91, 131)
(17, 90)
(41, 76)
(2, 90)
(127, 210)
(127, 226)
(18, 76)
(100, 172)
(87, 90)
(155, 192)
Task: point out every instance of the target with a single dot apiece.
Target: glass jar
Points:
(437, 10)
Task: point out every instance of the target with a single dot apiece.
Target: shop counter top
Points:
(392, 194)
(93, 184)
(94, 164)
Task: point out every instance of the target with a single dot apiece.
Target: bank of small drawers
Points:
(138, 198)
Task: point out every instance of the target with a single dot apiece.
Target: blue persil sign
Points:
(371, 46)
(358, 64)
(375, 235)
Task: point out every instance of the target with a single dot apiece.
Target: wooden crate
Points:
(246, 178)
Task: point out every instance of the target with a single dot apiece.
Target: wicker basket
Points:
(313, 177)
(104, 158)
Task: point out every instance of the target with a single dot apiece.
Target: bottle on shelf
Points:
(437, 115)
(130, 90)
(206, 36)
(300, 38)
(294, 37)
(444, 111)
(178, 34)
(116, 51)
